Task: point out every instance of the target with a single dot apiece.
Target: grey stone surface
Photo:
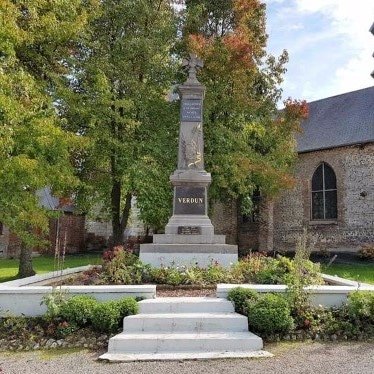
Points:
(189, 248)
(191, 239)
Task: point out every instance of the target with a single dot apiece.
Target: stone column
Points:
(189, 237)
(190, 180)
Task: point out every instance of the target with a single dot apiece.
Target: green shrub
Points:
(240, 296)
(127, 306)
(194, 276)
(259, 268)
(270, 314)
(107, 316)
(360, 306)
(78, 310)
(215, 273)
(122, 267)
(54, 302)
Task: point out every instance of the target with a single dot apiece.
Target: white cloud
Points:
(331, 53)
(351, 20)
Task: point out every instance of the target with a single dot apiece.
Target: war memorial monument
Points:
(189, 237)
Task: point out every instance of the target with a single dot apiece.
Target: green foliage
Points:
(183, 275)
(241, 297)
(36, 38)
(360, 306)
(54, 301)
(12, 324)
(259, 268)
(64, 328)
(248, 143)
(124, 268)
(107, 316)
(78, 310)
(270, 314)
(117, 99)
(215, 273)
(303, 273)
(127, 306)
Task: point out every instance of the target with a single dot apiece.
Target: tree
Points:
(116, 97)
(249, 143)
(35, 38)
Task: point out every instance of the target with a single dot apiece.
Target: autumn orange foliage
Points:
(296, 108)
(241, 42)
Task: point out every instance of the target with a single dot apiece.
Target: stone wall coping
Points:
(80, 289)
(342, 281)
(224, 288)
(41, 277)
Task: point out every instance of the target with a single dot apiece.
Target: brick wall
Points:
(71, 229)
(72, 225)
(224, 220)
(354, 169)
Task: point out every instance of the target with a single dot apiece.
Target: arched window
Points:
(324, 198)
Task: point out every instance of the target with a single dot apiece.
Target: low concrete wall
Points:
(20, 297)
(327, 296)
(38, 278)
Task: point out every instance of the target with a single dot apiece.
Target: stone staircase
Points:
(177, 328)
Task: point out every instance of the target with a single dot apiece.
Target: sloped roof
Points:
(337, 121)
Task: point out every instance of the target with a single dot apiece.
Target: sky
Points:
(329, 44)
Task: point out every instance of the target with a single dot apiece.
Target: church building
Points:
(333, 199)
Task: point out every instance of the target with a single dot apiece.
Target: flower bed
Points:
(122, 267)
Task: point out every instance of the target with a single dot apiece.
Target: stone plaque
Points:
(189, 200)
(191, 111)
(189, 230)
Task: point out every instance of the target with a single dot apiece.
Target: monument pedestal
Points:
(189, 237)
(189, 249)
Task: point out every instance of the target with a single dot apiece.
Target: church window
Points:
(324, 193)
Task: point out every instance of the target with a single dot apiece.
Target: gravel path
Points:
(296, 358)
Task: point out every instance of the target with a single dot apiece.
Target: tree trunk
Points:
(126, 212)
(119, 219)
(116, 213)
(25, 268)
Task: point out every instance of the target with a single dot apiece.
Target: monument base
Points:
(202, 255)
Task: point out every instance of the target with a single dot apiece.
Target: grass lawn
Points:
(44, 264)
(363, 272)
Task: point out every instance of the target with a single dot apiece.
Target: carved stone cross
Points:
(193, 64)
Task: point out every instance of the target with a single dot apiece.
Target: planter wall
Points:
(23, 297)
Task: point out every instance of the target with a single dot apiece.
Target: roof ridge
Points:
(342, 94)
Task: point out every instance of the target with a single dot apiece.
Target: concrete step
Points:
(191, 239)
(145, 343)
(185, 305)
(185, 322)
(176, 356)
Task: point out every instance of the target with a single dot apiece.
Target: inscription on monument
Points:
(191, 111)
(189, 230)
(189, 200)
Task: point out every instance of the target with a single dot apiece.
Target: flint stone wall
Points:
(354, 169)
